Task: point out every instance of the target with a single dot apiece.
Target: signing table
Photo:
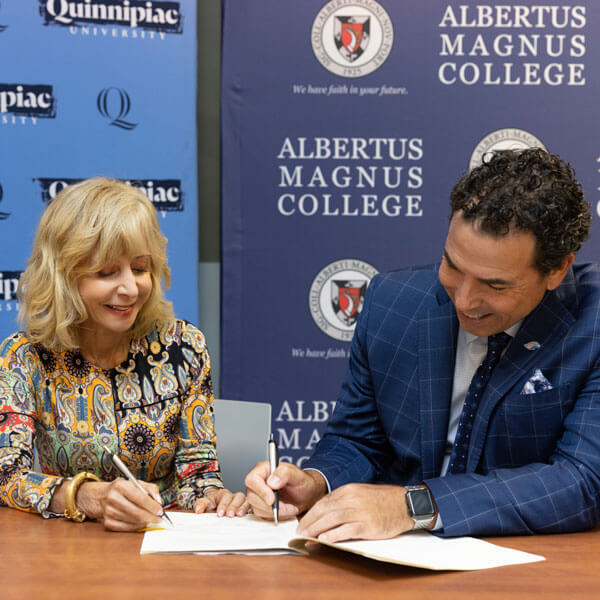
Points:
(59, 559)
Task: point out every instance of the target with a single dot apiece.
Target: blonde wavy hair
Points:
(86, 227)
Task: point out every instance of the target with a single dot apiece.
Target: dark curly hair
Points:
(527, 190)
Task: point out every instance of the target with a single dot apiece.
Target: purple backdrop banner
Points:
(345, 126)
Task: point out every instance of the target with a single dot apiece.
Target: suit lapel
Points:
(546, 325)
(438, 329)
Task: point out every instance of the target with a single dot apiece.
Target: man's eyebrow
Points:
(496, 281)
(490, 281)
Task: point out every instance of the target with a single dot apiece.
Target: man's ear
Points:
(555, 277)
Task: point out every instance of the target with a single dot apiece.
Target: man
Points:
(422, 436)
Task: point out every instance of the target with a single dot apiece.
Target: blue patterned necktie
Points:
(458, 459)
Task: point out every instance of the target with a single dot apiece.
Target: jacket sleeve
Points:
(354, 447)
(561, 495)
(20, 486)
(196, 463)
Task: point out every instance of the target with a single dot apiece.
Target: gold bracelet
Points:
(71, 511)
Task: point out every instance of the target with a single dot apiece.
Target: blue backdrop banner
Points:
(345, 125)
(98, 88)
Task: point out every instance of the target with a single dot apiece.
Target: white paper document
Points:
(427, 551)
(208, 533)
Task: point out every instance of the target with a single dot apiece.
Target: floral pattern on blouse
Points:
(155, 410)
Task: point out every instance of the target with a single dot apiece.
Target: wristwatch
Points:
(421, 507)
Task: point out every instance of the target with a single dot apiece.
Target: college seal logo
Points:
(337, 294)
(347, 299)
(504, 139)
(352, 38)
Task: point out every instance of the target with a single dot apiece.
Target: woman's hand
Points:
(120, 504)
(223, 502)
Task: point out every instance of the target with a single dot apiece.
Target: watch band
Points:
(421, 507)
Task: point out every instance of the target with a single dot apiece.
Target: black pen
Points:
(129, 475)
(273, 462)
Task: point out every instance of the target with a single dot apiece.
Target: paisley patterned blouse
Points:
(155, 410)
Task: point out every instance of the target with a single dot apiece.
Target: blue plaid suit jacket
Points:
(534, 459)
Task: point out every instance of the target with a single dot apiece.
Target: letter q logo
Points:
(114, 104)
(3, 215)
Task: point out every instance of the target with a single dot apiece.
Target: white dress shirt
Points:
(470, 352)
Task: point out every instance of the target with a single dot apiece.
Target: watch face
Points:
(420, 503)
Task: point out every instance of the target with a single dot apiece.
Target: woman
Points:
(102, 361)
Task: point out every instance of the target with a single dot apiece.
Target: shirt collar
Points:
(512, 331)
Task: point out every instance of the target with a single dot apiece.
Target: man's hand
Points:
(358, 511)
(298, 489)
(223, 502)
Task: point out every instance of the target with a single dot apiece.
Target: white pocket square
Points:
(536, 383)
